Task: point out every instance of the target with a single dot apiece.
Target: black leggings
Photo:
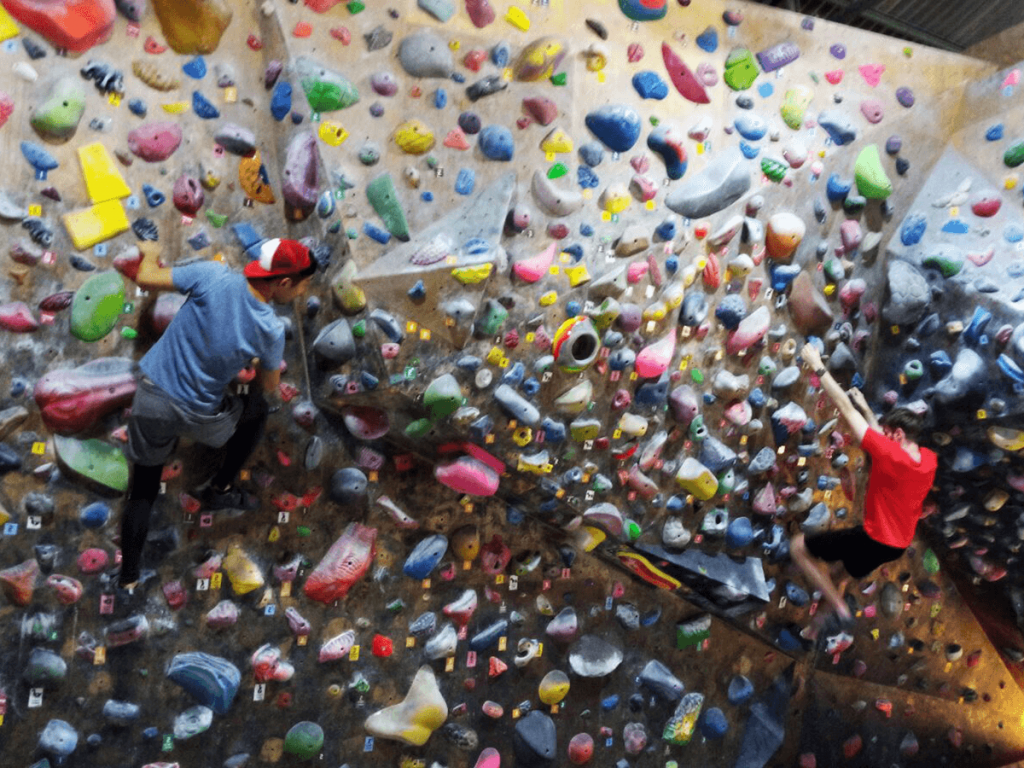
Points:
(146, 482)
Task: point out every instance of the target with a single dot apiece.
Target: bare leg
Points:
(818, 575)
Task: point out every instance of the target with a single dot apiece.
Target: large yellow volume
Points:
(102, 179)
(93, 225)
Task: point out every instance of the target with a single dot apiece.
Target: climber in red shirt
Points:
(901, 476)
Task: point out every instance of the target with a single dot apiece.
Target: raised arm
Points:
(861, 403)
(858, 424)
(141, 264)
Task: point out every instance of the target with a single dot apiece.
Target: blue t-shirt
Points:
(216, 333)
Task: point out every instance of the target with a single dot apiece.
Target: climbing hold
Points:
(689, 87)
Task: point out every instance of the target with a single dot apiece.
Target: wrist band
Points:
(819, 372)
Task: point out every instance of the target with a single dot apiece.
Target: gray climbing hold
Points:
(424, 54)
(335, 343)
(909, 294)
(722, 182)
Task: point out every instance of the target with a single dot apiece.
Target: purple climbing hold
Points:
(838, 51)
(905, 96)
(778, 56)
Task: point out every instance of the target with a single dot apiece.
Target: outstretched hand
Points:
(810, 355)
(858, 399)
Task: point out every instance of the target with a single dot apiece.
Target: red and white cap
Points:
(279, 258)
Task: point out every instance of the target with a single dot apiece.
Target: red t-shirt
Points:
(897, 487)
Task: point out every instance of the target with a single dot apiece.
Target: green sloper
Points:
(740, 69)
(325, 89)
(93, 460)
(97, 306)
(872, 182)
(57, 118)
(384, 200)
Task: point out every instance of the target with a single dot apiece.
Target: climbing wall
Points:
(543, 433)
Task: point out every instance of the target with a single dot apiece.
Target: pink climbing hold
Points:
(980, 259)
(188, 195)
(635, 271)
(69, 590)
(321, 6)
(468, 475)
(489, 758)
(534, 268)
(872, 73)
(541, 109)
(689, 87)
(654, 359)
(764, 500)
(835, 76)
(456, 139)
(127, 263)
(749, 332)
(873, 110)
(1012, 78)
(155, 142)
(6, 107)
(17, 317)
(93, 560)
(343, 565)
(72, 400)
(480, 13)
(850, 235)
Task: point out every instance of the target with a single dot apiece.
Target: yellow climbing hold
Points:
(522, 436)
(557, 142)
(656, 311)
(535, 465)
(472, 275)
(8, 28)
(615, 199)
(332, 134)
(242, 572)
(590, 538)
(1010, 182)
(553, 687)
(93, 225)
(175, 107)
(517, 18)
(414, 137)
(1005, 438)
(102, 179)
(577, 275)
(549, 298)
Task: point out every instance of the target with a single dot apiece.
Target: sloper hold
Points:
(539, 60)
(616, 125)
(94, 461)
(74, 25)
(211, 680)
(425, 54)
(872, 181)
(326, 90)
(343, 565)
(722, 182)
(667, 141)
(97, 305)
(57, 118)
(93, 225)
(644, 10)
(154, 142)
(72, 400)
(193, 26)
(384, 199)
(556, 201)
(689, 87)
(300, 186)
(416, 717)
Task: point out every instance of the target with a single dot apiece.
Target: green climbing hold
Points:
(304, 531)
(557, 171)
(359, 329)
(355, 6)
(697, 376)
(97, 306)
(559, 79)
(325, 89)
(443, 396)
(493, 319)
(794, 107)
(632, 530)
(655, 121)
(582, 430)
(218, 220)
(304, 740)
(93, 460)
(740, 69)
(930, 561)
(1014, 156)
(129, 333)
(396, 606)
(384, 199)
(773, 169)
(872, 181)
(57, 118)
(418, 428)
(833, 268)
(947, 263)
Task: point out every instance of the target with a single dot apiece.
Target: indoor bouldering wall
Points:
(543, 434)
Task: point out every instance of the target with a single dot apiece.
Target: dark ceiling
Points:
(953, 25)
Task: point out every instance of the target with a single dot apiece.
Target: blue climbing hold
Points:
(668, 142)
(211, 680)
(713, 725)
(374, 232)
(731, 310)
(496, 143)
(782, 275)
(750, 151)
(38, 158)
(740, 690)
(586, 178)
(913, 229)
(836, 188)
(956, 227)
(650, 85)
(592, 153)
(708, 40)
(425, 556)
(440, 98)
(1013, 234)
(138, 107)
(751, 126)
(154, 197)
(501, 54)
(418, 291)
(281, 100)
(196, 68)
(554, 431)
(617, 126)
(995, 133)
(203, 107)
(975, 330)
(739, 533)
(465, 181)
(94, 515)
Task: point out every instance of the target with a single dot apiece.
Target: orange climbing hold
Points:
(74, 25)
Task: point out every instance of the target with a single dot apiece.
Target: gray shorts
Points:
(158, 420)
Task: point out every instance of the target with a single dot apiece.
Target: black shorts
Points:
(859, 552)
